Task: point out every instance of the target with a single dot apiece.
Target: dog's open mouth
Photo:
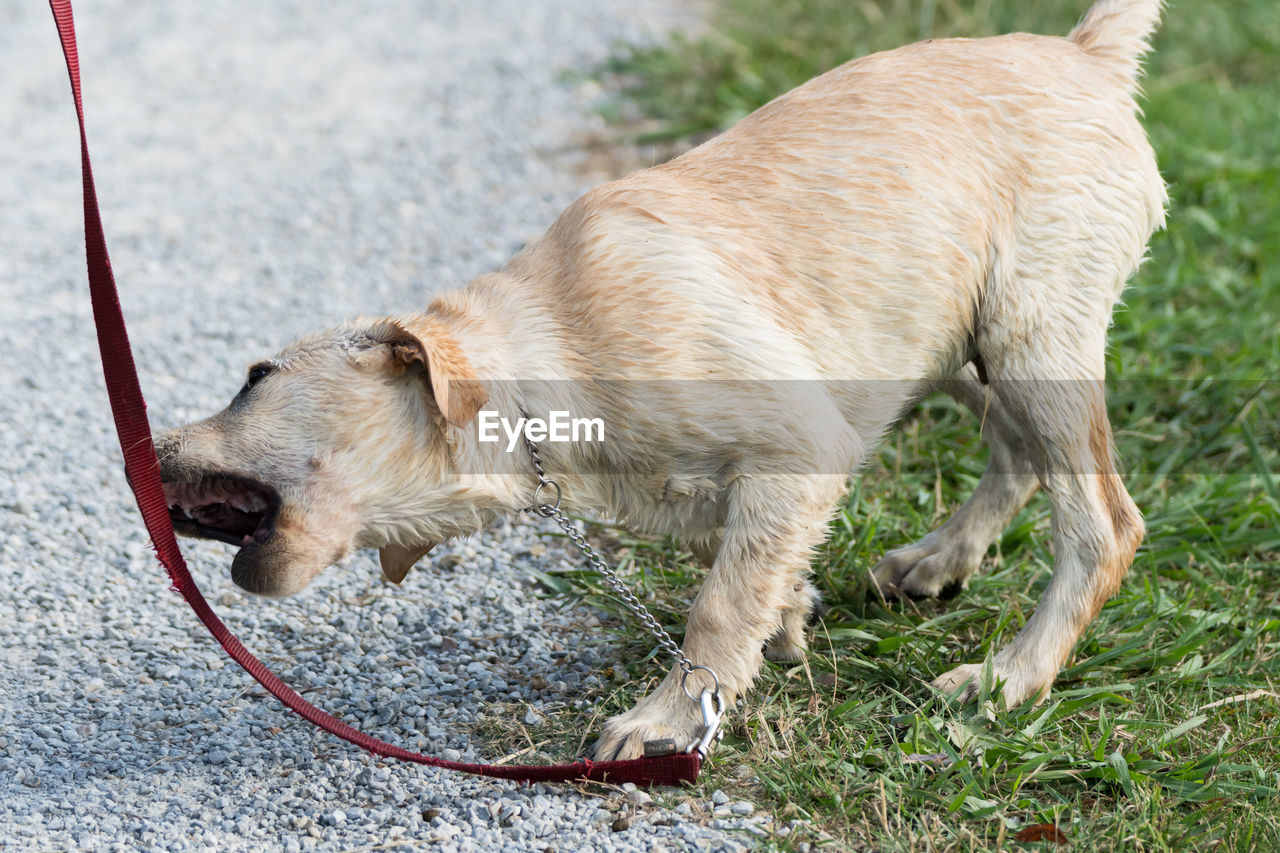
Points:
(230, 509)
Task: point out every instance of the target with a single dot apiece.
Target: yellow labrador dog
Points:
(747, 321)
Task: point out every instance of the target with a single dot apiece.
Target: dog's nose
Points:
(164, 446)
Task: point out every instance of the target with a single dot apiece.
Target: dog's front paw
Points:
(782, 649)
(625, 735)
(1012, 684)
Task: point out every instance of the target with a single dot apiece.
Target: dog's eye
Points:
(256, 374)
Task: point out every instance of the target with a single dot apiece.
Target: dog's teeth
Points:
(248, 503)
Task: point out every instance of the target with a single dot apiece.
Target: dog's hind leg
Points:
(939, 565)
(1047, 369)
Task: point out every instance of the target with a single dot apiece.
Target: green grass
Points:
(1125, 755)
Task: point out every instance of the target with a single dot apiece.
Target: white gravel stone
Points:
(265, 170)
(640, 797)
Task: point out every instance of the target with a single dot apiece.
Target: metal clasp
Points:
(712, 704)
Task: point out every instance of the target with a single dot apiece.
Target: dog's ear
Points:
(397, 560)
(459, 393)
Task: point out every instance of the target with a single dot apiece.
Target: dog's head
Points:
(341, 441)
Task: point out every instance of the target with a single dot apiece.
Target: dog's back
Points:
(879, 213)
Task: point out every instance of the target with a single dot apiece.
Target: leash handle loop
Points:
(128, 408)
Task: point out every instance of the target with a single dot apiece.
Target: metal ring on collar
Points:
(542, 508)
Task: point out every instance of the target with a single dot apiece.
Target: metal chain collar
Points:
(710, 700)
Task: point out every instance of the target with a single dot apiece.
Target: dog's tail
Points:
(1119, 32)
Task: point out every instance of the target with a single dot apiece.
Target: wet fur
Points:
(883, 224)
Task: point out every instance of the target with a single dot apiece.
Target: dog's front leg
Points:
(773, 525)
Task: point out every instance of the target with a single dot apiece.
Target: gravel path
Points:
(267, 169)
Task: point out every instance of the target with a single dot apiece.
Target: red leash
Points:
(130, 412)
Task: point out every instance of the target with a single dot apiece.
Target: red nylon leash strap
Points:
(129, 410)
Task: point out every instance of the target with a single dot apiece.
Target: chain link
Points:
(553, 511)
